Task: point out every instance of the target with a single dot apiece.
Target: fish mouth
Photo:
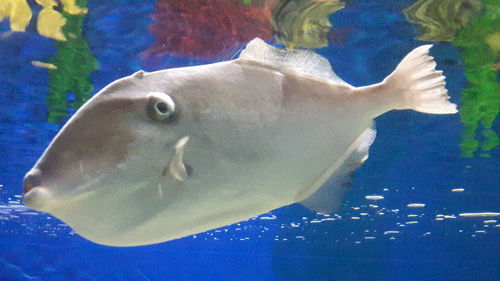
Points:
(37, 198)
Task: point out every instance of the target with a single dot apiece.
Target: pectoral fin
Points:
(176, 167)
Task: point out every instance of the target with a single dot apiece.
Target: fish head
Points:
(120, 140)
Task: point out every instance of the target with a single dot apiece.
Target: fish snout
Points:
(35, 195)
(32, 179)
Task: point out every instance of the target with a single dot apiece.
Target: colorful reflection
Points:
(440, 20)
(472, 26)
(304, 24)
(49, 22)
(70, 68)
(69, 84)
(214, 29)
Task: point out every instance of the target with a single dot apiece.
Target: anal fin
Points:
(328, 196)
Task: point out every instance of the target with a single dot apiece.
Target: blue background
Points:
(416, 157)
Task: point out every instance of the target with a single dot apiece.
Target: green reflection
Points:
(75, 63)
(304, 24)
(473, 26)
(481, 99)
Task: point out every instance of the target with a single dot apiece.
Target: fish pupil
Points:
(162, 107)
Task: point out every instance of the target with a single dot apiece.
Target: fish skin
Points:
(261, 136)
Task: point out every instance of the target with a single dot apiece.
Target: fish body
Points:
(159, 156)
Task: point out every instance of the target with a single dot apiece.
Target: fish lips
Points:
(37, 198)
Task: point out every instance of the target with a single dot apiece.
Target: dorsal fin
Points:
(299, 60)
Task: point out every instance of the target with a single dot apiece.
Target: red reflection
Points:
(207, 28)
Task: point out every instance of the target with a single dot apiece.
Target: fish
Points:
(158, 156)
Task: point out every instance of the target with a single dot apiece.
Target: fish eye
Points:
(161, 106)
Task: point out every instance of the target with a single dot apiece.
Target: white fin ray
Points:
(299, 60)
(421, 86)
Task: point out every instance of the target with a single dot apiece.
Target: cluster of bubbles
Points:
(361, 224)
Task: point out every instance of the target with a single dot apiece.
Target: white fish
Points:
(162, 155)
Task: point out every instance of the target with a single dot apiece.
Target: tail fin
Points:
(422, 87)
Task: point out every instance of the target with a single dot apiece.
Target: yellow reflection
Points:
(304, 24)
(70, 7)
(17, 12)
(50, 22)
(493, 40)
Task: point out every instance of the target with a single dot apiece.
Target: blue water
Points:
(416, 158)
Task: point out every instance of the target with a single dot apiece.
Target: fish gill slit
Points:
(160, 190)
(80, 165)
